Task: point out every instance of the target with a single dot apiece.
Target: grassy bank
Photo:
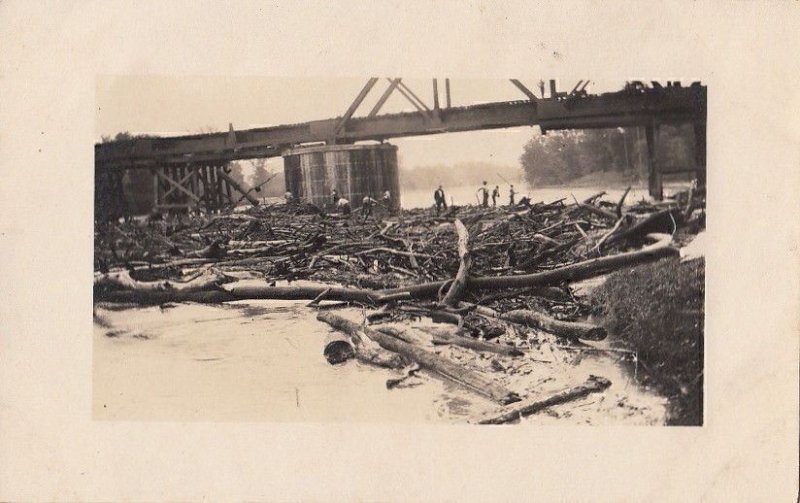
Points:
(657, 310)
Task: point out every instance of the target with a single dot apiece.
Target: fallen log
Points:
(574, 272)
(305, 293)
(122, 279)
(459, 285)
(411, 335)
(154, 298)
(593, 384)
(598, 211)
(570, 273)
(233, 183)
(428, 360)
(621, 201)
(661, 221)
(339, 349)
(566, 329)
(444, 336)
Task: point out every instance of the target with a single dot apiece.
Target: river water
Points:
(467, 195)
(261, 360)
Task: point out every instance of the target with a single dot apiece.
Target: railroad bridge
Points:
(190, 172)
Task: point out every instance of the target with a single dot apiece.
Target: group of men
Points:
(368, 203)
(482, 193)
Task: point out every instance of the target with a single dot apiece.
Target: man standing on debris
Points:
(335, 195)
(484, 191)
(386, 201)
(367, 204)
(511, 195)
(438, 198)
(495, 195)
(343, 206)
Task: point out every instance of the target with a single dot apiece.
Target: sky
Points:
(165, 105)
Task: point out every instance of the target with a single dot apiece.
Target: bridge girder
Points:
(574, 110)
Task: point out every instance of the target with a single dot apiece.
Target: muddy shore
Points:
(235, 259)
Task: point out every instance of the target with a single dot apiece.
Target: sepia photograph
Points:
(399, 251)
(510, 251)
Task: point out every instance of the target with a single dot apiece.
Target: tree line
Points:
(560, 157)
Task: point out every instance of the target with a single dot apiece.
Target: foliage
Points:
(658, 310)
(562, 156)
(237, 173)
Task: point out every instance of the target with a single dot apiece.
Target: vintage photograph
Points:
(387, 250)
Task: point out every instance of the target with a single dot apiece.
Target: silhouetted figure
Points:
(484, 191)
(367, 204)
(438, 198)
(495, 195)
(343, 206)
(386, 201)
(511, 194)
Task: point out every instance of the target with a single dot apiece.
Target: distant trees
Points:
(564, 156)
(237, 173)
(260, 173)
(137, 185)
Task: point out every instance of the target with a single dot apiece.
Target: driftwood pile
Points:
(486, 275)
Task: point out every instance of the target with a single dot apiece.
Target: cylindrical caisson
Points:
(354, 171)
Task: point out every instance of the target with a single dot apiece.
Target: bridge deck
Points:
(619, 109)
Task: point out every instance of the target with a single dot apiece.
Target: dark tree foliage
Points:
(137, 187)
(237, 173)
(564, 156)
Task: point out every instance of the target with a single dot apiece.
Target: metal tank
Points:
(354, 170)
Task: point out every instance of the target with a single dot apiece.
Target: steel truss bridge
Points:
(191, 171)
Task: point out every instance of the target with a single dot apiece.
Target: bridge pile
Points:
(465, 295)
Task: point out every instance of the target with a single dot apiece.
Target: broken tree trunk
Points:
(566, 329)
(622, 201)
(427, 360)
(122, 279)
(153, 297)
(444, 336)
(411, 335)
(661, 221)
(598, 211)
(303, 293)
(245, 193)
(593, 384)
(573, 272)
(338, 349)
(459, 285)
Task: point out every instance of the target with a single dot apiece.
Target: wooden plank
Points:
(594, 384)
